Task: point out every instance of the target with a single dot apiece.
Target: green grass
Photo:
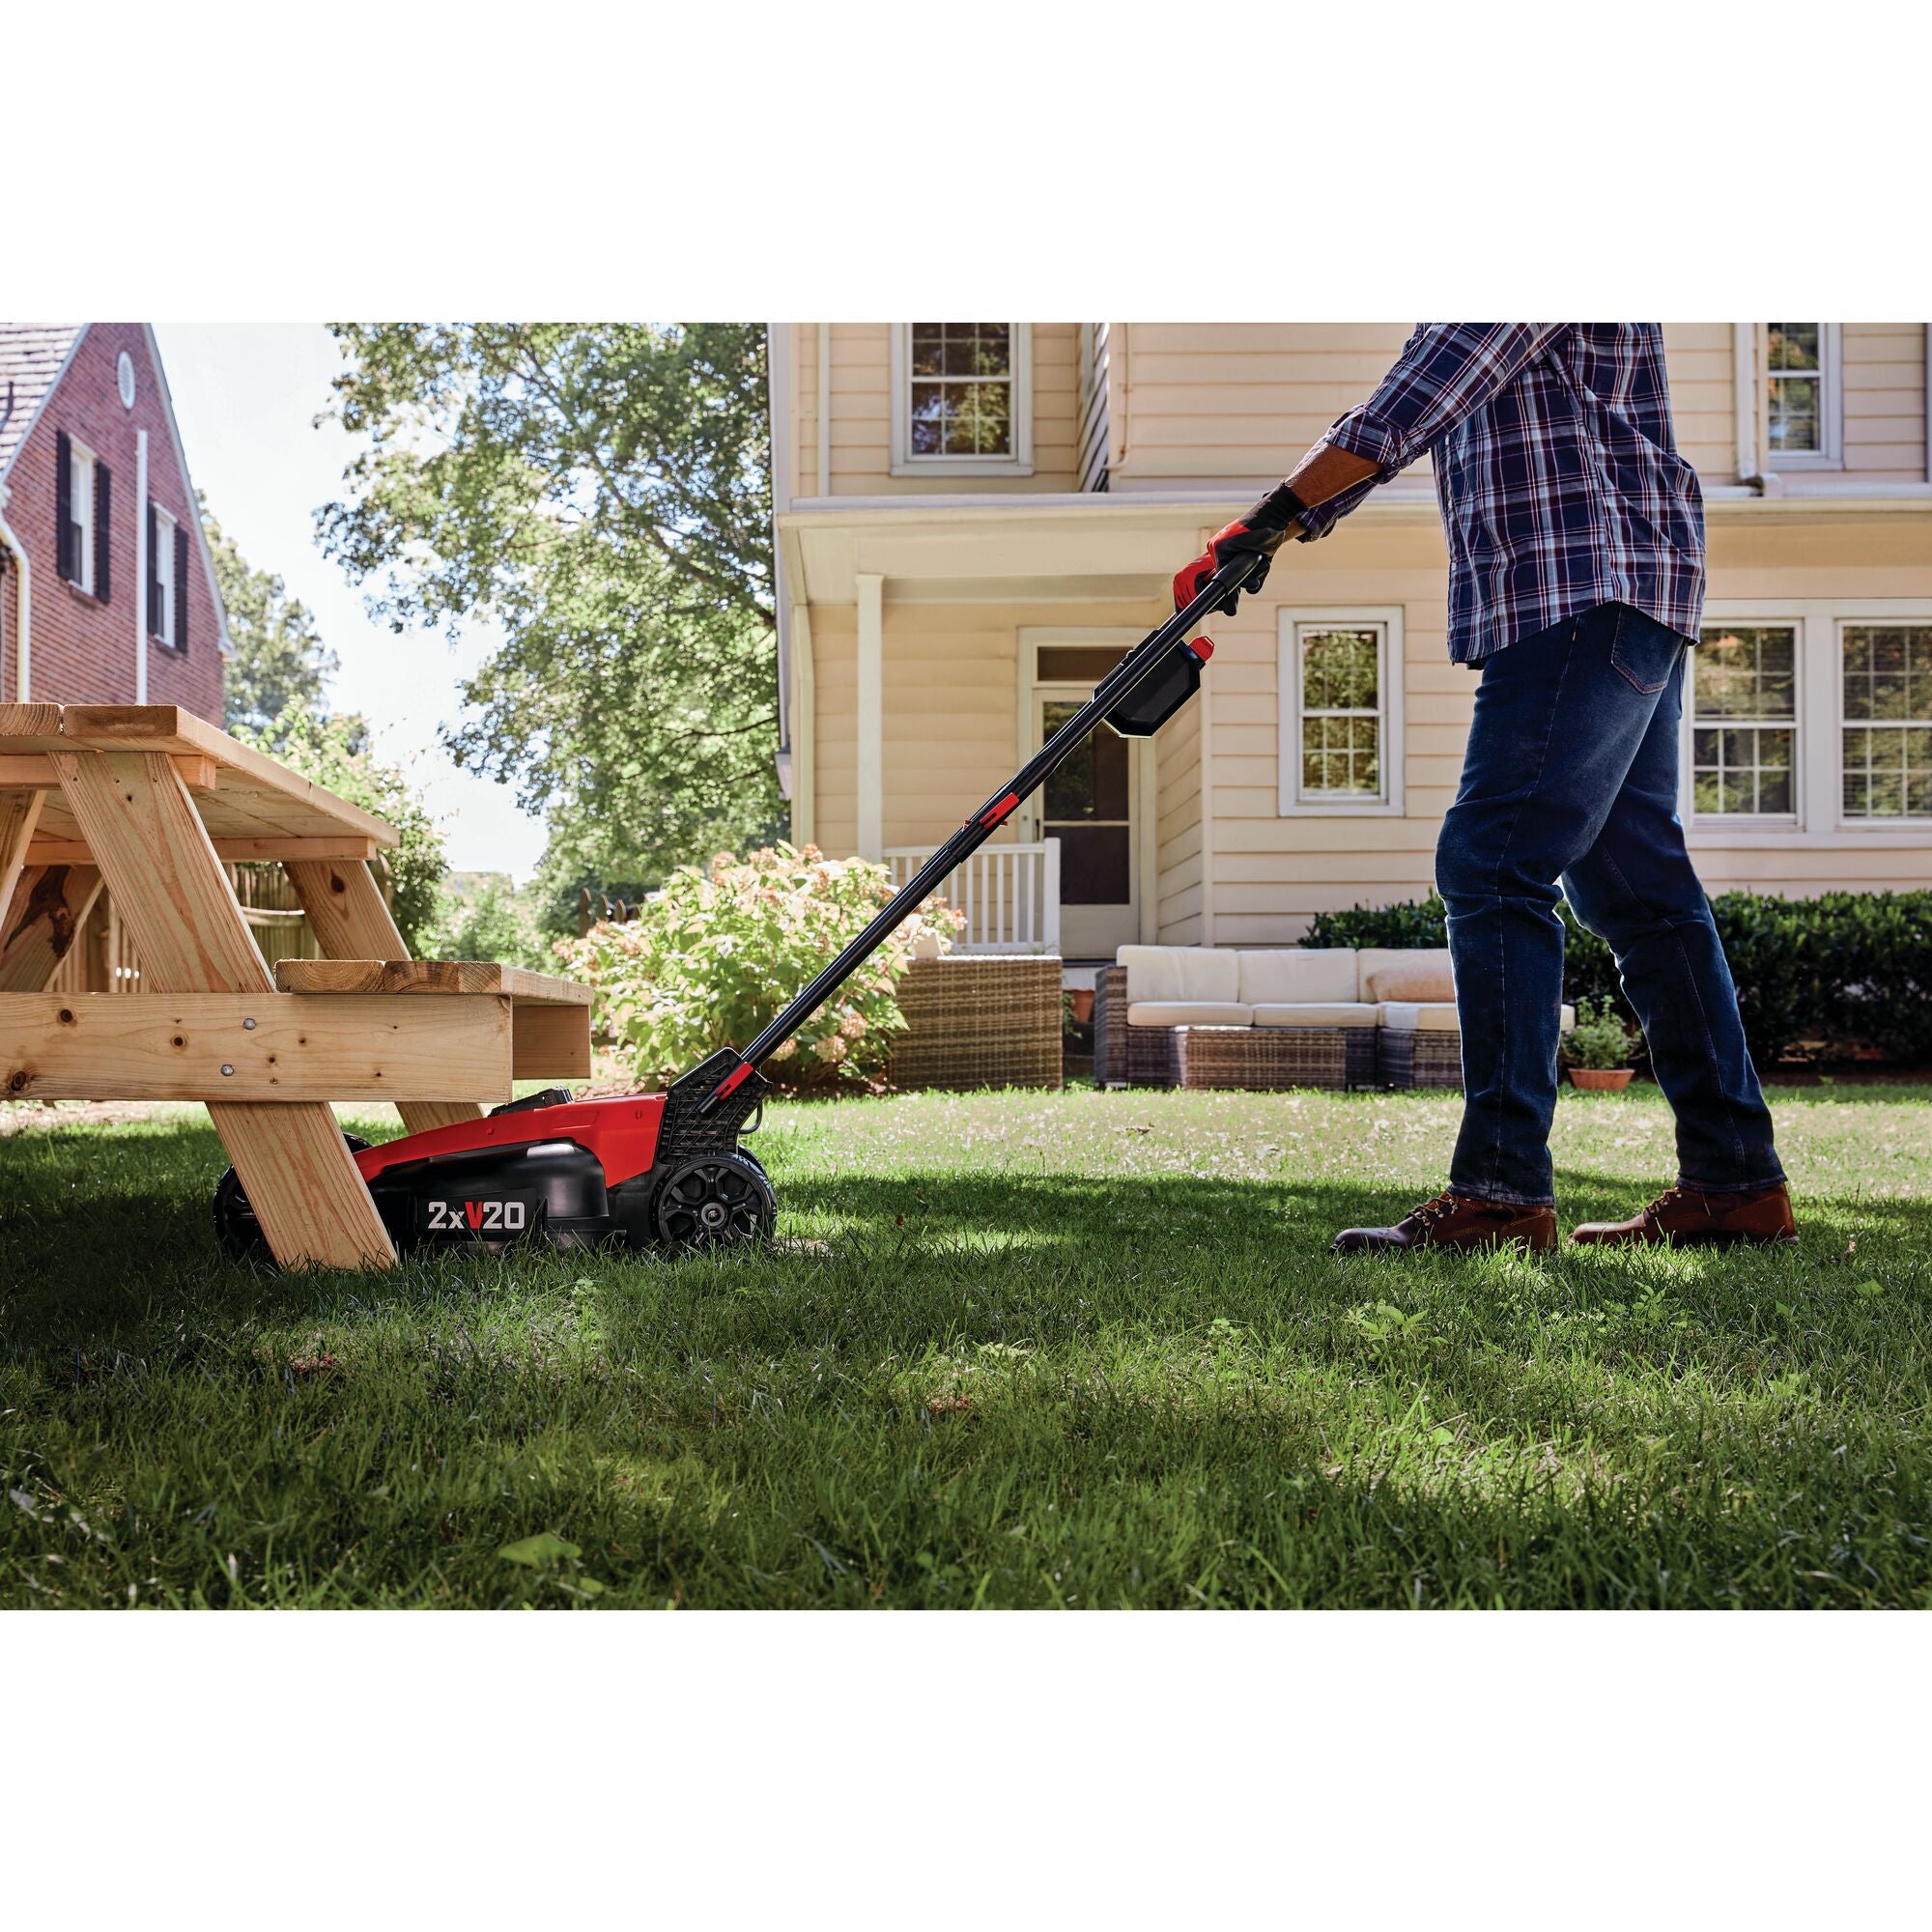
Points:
(1016, 1350)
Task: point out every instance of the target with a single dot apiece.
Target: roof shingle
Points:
(32, 355)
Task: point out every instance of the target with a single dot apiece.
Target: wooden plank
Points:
(346, 848)
(255, 1046)
(49, 906)
(429, 975)
(351, 920)
(168, 729)
(136, 816)
(29, 727)
(20, 813)
(549, 1042)
(35, 768)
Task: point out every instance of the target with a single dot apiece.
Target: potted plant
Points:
(1598, 1048)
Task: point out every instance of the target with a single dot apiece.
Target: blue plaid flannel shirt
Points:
(1558, 476)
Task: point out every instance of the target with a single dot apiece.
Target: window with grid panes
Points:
(1342, 711)
(1795, 388)
(960, 377)
(1743, 722)
(1886, 670)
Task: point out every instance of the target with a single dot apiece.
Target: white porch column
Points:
(871, 715)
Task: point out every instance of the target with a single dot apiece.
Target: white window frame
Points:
(1799, 725)
(1831, 404)
(1841, 624)
(905, 464)
(1291, 620)
(82, 463)
(1822, 823)
(162, 566)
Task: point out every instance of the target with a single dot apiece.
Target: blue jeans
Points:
(1572, 774)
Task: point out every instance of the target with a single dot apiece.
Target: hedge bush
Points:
(714, 953)
(1840, 972)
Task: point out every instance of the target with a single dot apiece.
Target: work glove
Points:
(1257, 534)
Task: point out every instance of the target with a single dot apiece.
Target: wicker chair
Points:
(979, 1022)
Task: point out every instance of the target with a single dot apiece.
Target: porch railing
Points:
(1010, 894)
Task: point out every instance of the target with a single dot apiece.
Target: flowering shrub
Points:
(710, 959)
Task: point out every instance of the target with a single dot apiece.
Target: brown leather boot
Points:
(1687, 1217)
(1456, 1221)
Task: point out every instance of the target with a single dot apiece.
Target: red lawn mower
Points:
(666, 1170)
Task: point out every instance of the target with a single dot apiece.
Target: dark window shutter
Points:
(181, 589)
(104, 530)
(63, 505)
(153, 589)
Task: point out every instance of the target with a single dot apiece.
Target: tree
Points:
(334, 751)
(601, 493)
(280, 659)
(483, 916)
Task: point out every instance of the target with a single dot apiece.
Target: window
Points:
(81, 515)
(962, 398)
(1802, 370)
(1886, 677)
(1743, 722)
(161, 575)
(1341, 714)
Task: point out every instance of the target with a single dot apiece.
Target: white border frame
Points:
(1803, 726)
(1831, 404)
(905, 464)
(1391, 672)
(1143, 883)
(1821, 706)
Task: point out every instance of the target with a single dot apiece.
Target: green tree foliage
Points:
(334, 751)
(280, 660)
(482, 916)
(600, 492)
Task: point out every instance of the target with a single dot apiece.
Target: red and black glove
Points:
(1257, 534)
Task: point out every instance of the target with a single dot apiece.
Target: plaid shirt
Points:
(1559, 479)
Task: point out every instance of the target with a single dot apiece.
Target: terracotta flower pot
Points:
(1602, 1079)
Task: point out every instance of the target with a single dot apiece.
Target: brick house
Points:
(107, 589)
(107, 592)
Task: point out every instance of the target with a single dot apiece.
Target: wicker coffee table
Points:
(1263, 1058)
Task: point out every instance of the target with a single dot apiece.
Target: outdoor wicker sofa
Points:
(1274, 1017)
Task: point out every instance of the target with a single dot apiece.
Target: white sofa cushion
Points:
(1374, 959)
(1297, 974)
(1314, 1013)
(1439, 1017)
(1191, 973)
(1188, 1012)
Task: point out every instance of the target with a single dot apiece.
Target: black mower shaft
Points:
(1138, 667)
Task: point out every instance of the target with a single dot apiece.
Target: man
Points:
(1576, 584)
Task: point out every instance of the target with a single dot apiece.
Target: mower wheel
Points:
(235, 1224)
(715, 1201)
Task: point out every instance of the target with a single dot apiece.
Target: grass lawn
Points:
(1014, 1350)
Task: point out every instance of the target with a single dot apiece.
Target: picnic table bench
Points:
(149, 802)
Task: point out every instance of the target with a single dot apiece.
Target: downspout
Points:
(141, 567)
(23, 683)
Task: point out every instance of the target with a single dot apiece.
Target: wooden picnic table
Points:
(151, 803)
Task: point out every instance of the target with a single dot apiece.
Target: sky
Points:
(246, 395)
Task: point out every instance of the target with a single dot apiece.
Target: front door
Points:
(1090, 806)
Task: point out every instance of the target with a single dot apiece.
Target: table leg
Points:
(351, 920)
(20, 813)
(49, 907)
(160, 864)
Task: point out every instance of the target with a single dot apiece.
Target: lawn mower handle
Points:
(1134, 671)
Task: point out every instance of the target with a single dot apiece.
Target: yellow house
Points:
(974, 519)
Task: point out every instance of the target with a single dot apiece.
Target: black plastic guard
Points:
(1142, 714)
(688, 1128)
